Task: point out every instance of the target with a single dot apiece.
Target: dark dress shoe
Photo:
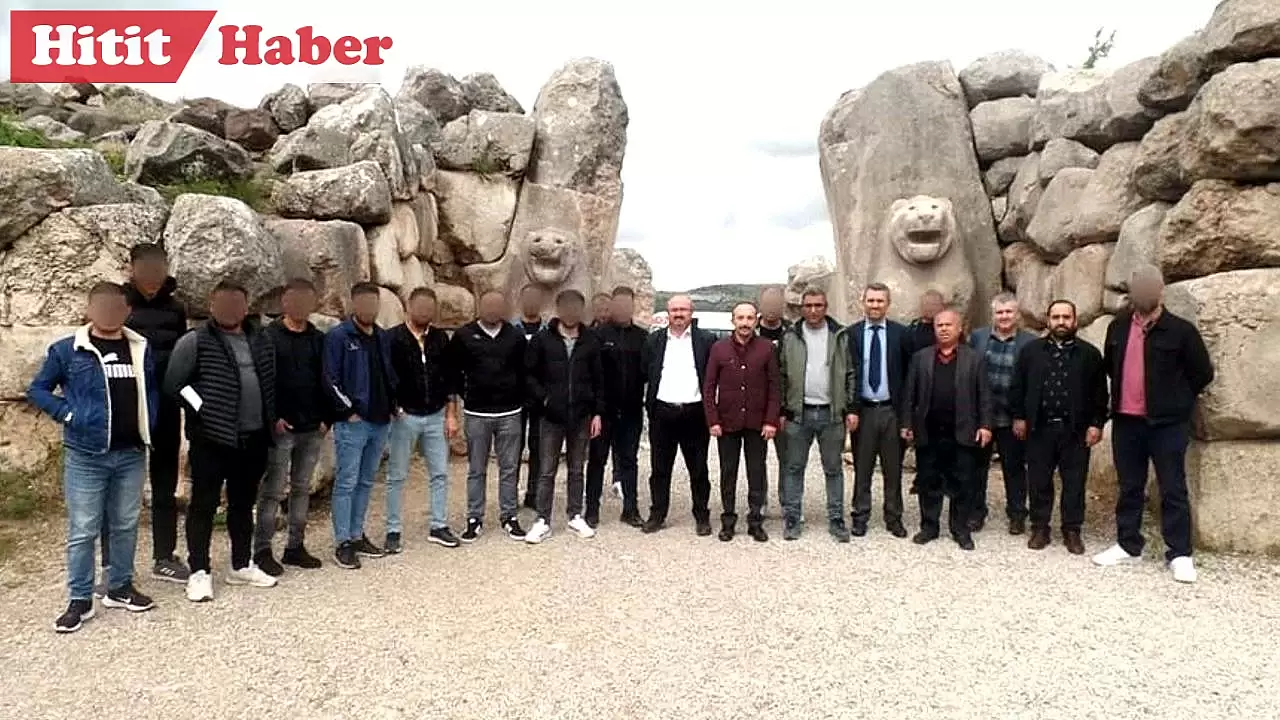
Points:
(1017, 526)
(1039, 539)
(1073, 541)
(757, 533)
(652, 525)
(896, 528)
(634, 520)
(726, 534)
(976, 524)
(924, 538)
(965, 542)
(704, 527)
(859, 529)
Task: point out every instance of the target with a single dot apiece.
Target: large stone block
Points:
(1235, 501)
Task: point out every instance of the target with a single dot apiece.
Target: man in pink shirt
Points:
(1158, 365)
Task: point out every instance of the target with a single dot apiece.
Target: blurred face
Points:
(1006, 316)
(531, 302)
(744, 321)
(228, 308)
(570, 310)
(1062, 322)
(623, 309)
(148, 274)
(422, 311)
(679, 313)
(493, 307)
(814, 309)
(772, 304)
(108, 311)
(366, 307)
(946, 328)
(930, 306)
(875, 304)
(602, 308)
(1144, 294)
(298, 304)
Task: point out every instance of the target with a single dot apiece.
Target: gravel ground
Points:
(672, 625)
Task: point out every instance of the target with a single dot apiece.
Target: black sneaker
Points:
(346, 557)
(368, 549)
(475, 528)
(593, 520)
(513, 529)
(299, 557)
(128, 598)
(392, 546)
(443, 536)
(267, 564)
(78, 611)
(632, 519)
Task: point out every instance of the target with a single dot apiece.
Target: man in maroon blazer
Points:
(741, 397)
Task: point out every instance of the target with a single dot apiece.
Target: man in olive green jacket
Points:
(815, 370)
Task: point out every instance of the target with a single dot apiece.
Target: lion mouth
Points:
(924, 236)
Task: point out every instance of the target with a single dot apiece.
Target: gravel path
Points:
(666, 626)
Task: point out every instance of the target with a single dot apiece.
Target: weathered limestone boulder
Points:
(384, 258)
(874, 166)
(488, 143)
(45, 276)
(1158, 172)
(22, 350)
(322, 95)
(438, 92)
(53, 130)
(999, 208)
(1002, 128)
(1233, 497)
(77, 92)
(390, 308)
(31, 442)
(357, 192)
(997, 178)
(581, 131)
(815, 272)
(95, 122)
(1241, 30)
(1176, 77)
(1108, 198)
(212, 238)
(1029, 275)
(36, 183)
(1024, 196)
(1127, 118)
(207, 114)
(1061, 153)
(1079, 278)
(482, 91)
(1238, 314)
(1004, 74)
(1139, 244)
(1219, 226)
(1050, 229)
(20, 97)
(417, 123)
(288, 106)
(426, 212)
(1235, 125)
(330, 253)
(252, 129)
(475, 214)
(1071, 105)
(417, 274)
(456, 306)
(170, 152)
(629, 269)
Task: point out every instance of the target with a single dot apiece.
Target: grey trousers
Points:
(879, 436)
(814, 424)
(500, 435)
(575, 439)
(290, 464)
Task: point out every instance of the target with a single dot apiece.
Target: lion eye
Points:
(911, 207)
(933, 207)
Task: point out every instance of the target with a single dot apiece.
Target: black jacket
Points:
(566, 388)
(300, 392)
(623, 357)
(210, 369)
(1086, 391)
(1178, 367)
(422, 372)
(897, 353)
(920, 335)
(973, 398)
(656, 347)
(161, 319)
(488, 372)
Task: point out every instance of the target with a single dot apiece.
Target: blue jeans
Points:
(101, 488)
(358, 449)
(406, 432)
(814, 423)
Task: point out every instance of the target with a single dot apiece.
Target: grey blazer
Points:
(973, 397)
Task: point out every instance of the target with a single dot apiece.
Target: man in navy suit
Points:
(879, 347)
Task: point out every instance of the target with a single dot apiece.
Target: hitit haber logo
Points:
(154, 46)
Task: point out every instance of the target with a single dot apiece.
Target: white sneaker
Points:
(539, 532)
(200, 587)
(1115, 555)
(617, 490)
(1184, 570)
(251, 575)
(580, 526)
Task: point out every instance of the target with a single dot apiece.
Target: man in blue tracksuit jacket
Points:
(107, 407)
(358, 373)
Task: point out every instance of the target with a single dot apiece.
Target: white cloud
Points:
(723, 101)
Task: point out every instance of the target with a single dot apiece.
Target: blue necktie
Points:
(873, 372)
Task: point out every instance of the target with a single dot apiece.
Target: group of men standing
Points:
(258, 402)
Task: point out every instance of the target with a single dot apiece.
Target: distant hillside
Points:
(712, 298)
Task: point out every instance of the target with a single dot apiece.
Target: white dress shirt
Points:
(679, 384)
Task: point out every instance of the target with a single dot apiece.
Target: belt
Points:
(875, 403)
(678, 405)
(826, 406)
(1056, 421)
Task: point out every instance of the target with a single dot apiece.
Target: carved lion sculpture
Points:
(922, 229)
(921, 232)
(553, 259)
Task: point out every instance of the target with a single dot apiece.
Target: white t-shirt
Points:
(817, 378)
(679, 383)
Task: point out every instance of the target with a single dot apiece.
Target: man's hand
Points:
(716, 431)
(451, 426)
(324, 428)
(355, 418)
(283, 427)
(908, 435)
(1092, 436)
(782, 423)
(768, 431)
(851, 423)
(596, 424)
(984, 437)
(1020, 429)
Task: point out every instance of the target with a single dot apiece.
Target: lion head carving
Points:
(922, 228)
(551, 256)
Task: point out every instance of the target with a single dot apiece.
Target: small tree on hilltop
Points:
(1100, 48)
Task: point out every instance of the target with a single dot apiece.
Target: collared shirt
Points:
(817, 378)
(679, 383)
(1133, 376)
(881, 394)
(1055, 399)
(999, 360)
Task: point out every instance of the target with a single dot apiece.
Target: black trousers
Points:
(878, 437)
(572, 439)
(1136, 444)
(683, 428)
(732, 447)
(529, 427)
(240, 469)
(166, 439)
(1013, 466)
(620, 438)
(945, 469)
(1057, 446)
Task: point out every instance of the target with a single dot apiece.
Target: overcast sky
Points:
(721, 173)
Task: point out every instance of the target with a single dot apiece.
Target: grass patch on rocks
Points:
(251, 191)
(14, 134)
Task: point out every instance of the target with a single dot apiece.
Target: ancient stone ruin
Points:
(1056, 184)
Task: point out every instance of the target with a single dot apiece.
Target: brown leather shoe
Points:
(1039, 539)
(1017, 526)
(1073, 541)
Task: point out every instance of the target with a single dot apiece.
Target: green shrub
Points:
(252, 192)
(12, 134)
